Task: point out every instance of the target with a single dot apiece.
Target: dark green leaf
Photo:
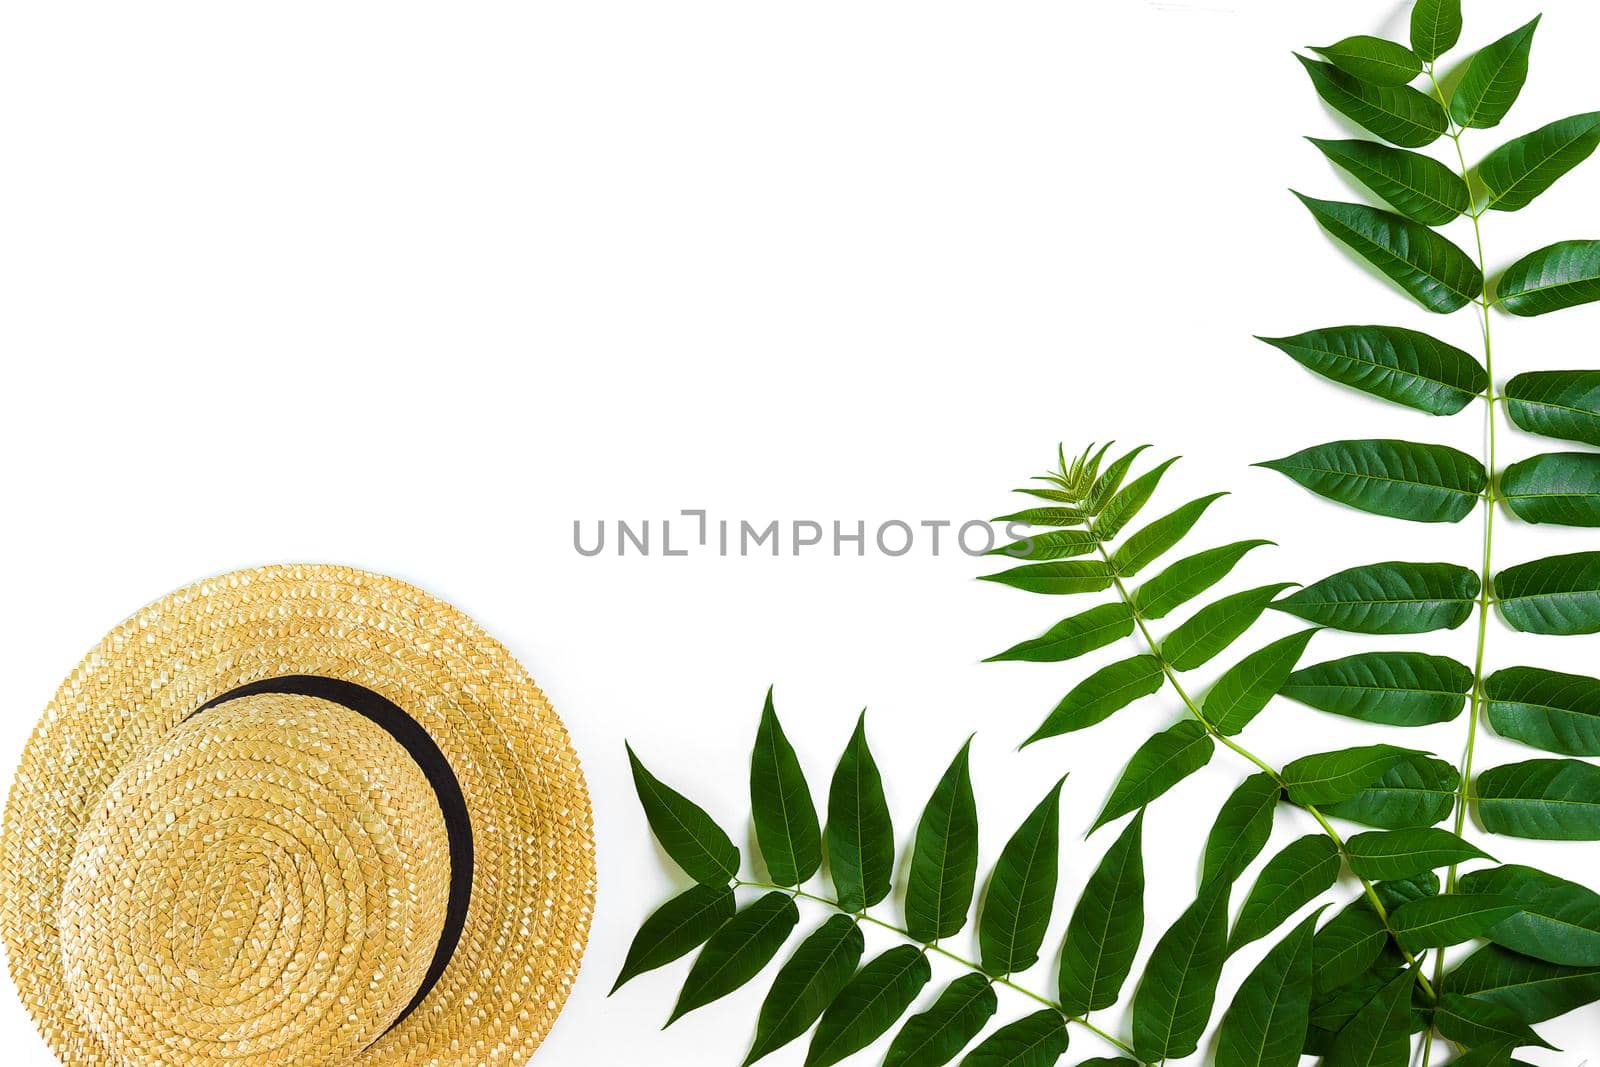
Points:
(1290, 880)
(1329, 777)
(1393, 688)
(737, 952)
(807, 984)
(1557, 487)
(1189, 577)
(1531, 989)
(1108, 690)
(1106, 486)
(1106, 926)
(1241, 829)
(785, 815)
(1559, 920)
(1403, 366)
(1547, 709)
(1547, 799)
(869, 1005)
(1435, 27)
(1493, 79)
(1440, 276)
(944, 861)
(1373, 60)
(1022, 891)
(1557, 403)
(1052, 544)
(1072, 637)
(676, 929)
(686, 832)
(1246, 687)
(1472, 1023)
(1388, 598)
(1563, 275)
(1379, 1035)
(1400, 115)
(1554, 595)
(860, 835)
(1160, 763)
(1418, 186)
(1438, 922)
(1122, 507)
(1151, 542)
(936, 1036)
(1420, 790)
(1216, 626)
(1402, 479)
(1266, 1023)
(1037, 1040)
(1066, 516)
(1173, 1003)
(1526, 166)
(1398, 892)
(1404, 853)
(1348, 946)
(1057, 579)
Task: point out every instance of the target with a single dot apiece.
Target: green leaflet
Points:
(1163, 761)
(1373, 60)
(1554, 595)
(1127, 502)
(1265, 1025)
(1330, 1012)
(869, 1005)
(1293, 878)
(1546, 709)
(1438, 922)
(1065, 516)
(686, 832)
(1419, 790)
(1392, 688)
(1435, 27)
(806, 984)
(1557, 403)
(1493, 79)
(785, 815)
(1526, 166)
(1398, 365)
(1106, 927)
(1241, 829)
(1474, 1023)
(1379, 1035)
(1108, 690)
(1245, 688)
(1057, 579)
(860, 835)
(1106, 486)
(1347, 946)
(1558, 920)
(1398, 892)
(1388, 598)
(1400, 115)
(1189, 577)
(1547, 799)
(1149, 543)
(1557, 487)
(1036, 1040)
(1532, 989)
(1418, 186)
(676, 929)
(1401, 479)
(936, 1036)
(1436, 273)
(1404, 853)
(1022, 891)
(737, 952)
(1052, 544)
(1563, 275)
(1329, 777)
(1072, 637)
(1173, 1003)
(1216, 626)
(944, 861)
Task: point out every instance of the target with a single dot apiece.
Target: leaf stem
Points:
(934, 946)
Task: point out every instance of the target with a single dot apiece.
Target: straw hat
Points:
(297, 815)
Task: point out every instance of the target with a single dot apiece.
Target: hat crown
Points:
(265, 886)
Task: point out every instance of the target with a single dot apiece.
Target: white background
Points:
(413, 287)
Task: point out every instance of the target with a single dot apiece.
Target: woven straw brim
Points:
(118, 714)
